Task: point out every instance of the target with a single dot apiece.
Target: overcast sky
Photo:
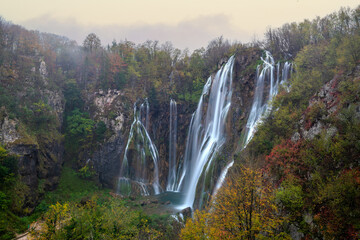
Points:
(186, 23)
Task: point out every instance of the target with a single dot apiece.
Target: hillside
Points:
(96, 139)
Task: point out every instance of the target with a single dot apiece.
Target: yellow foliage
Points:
(244, 209)
(57, 217)
(196, 228)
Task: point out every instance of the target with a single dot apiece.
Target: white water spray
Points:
(206, 136)
(171, 184)
(134, 170)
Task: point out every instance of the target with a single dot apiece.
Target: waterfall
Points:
(140, 151)
(206, 136)
(265, 72)
(144, 114)
(171, 184)
(222, 177)
(264, 75)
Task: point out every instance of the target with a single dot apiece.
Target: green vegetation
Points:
(309, 185)
(79, 208)
(317, 176)
(101, 219)
(11, 196)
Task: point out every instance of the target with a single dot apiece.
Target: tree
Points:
(92, 42)
(215, 51)
(196, 228)
(79, 130)
(243, 209)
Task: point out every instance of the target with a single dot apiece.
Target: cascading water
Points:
(264, 73)
(222, 177)
(171, 184)
(206, 136)
(144, 114)
(140, 151)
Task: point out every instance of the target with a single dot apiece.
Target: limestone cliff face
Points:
(322, 106)
(114, 109)
(242, 97)
(326, 101)
(40, 156)
(161, 131)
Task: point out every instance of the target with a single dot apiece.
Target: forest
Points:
(67, 112)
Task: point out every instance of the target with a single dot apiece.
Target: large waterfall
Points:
(171, 184)
(140, 156)
(194, 177)
(206, 133)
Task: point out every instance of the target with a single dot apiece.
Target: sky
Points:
(186, 23)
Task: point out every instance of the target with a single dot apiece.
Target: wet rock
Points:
(145, 202)
(186, 212)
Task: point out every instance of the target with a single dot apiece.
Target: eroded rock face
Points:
(242, 97)
(55, 99)
(109, 107)
(104, 100)
(39, 164)
(327, 101)
(40, 157)
(9, 133)
(107, 160)
(42, 69)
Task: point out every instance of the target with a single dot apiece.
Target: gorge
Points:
(147, 141)
(194, 176)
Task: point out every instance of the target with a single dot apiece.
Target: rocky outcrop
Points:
(321, 106)
(110, 107)
(242, 98)
(40, 155)
(39, 165)
(56, 100)
(8, 130)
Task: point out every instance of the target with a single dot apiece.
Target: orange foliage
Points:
(286, 159)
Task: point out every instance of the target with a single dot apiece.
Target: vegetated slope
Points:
(48, 80)
(307, 148)
(56, 96)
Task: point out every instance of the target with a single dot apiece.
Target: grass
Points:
(72, 188)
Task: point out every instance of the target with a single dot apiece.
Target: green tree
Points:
(79, 129)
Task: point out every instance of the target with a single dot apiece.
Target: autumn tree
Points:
(92, 42)
(215, 51)
(243, 209)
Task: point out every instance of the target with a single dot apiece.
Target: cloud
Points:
(192, 33)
